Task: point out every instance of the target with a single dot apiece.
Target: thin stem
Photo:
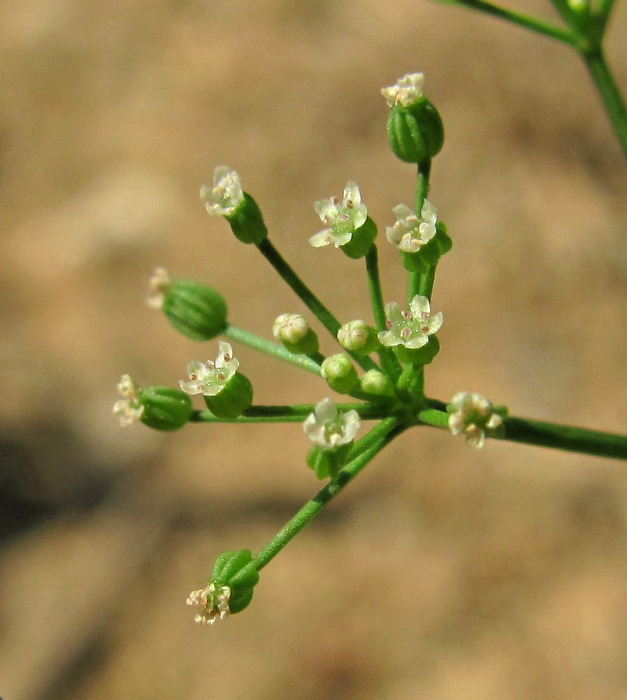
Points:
(425, 283)
(564, 437)
(421, 280)
(326, 318)
(532, 23)
(256, 342)
(563, 10)
(374, 285)
(289, 414)
(542, 433)
(378, 438)
(604, 11)
(611, 97)
(388, 359)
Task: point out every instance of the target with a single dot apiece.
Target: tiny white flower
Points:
(342, 218)
(328, 428)
(406, 91)
(411, 232)
(226, 194)
(290, 328)
(158, 286)
(213, 601)
(410, 328)
(209, 378)
(473, 415)
(127, 409)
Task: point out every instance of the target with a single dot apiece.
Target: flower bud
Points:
(361, 241)
(416, 132)
(237, 570)
(164, 408)
(295, 334)
(375, 382)
(327, 463)
(233, 399)
(195, 310)
(357, 336)
(339, 373)
(247, 221)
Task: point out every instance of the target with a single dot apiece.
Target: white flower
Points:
(328, 428)
(472, 417)
(226, 194)
(209, 378)
(158, 286)
(290, 328)
(127, 409)
(213, 601)
(410, 232)
(410, 328)
(406, 91)
(342, 219)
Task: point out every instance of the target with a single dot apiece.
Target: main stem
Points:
(542, 433)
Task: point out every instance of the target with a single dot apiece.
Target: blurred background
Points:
(441, 572)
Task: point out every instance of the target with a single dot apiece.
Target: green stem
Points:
(239, 335)
(388, 359)
(542, 433)
(611, 97)
(532, 23)
(564, 437)
(289, 414)
(326, 318)
(425, 283)
(604, 11)
(381, 435)
(374, 286)
(421, 280)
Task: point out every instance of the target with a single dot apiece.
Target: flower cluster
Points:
(388, 388)
(472, 415)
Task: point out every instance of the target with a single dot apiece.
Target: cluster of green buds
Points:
(380, 370)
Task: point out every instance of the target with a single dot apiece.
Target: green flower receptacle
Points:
(233, 399)
(415, 133)
(326, 463)
(164, 408)
(247, 222)
(418, 356)
(237, 570)
(195, 310)
(361, 241)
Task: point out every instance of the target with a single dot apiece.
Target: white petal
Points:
(322, 238)
(352, 193)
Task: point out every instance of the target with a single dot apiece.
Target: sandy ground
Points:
(442, 572)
